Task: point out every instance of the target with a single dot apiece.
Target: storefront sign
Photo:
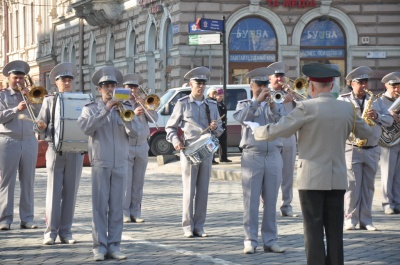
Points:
(252, 34)
(322, 33)
(154, 6)
(291, 3)
(244, 58)
(322, 53)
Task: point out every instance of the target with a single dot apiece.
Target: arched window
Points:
(65, 55)
(168, 59)
(73, 55)
(152, 45)
(252, 44)
(132, 48)
(93, 59)
(324, 41)
(111, 48)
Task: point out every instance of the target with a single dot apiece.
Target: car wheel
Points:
(160, 146)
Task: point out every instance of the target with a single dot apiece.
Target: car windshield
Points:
(165, 98)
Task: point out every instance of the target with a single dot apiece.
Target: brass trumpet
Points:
(36, 94)
(152, 101)
(125, 114)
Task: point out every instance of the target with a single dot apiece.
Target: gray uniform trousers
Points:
(107, 184)
(289, 159)
(18, 156)
(362, 165)
(137, 164)
(63, 176)
(195, 180)
(261, 175)
(390, 177)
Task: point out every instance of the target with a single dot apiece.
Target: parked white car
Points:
(157, 140)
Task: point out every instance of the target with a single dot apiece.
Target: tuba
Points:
(391, 135)
(368, 106)
(36, 93)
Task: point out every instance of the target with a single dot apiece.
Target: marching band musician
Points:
(261, 165)
(362, 162)
(18, 149)
(277, 81)
(390, 156)
(138, 152)
(63, 170)
(108, 153)
(194, 113)
(223, 145)
(323, 124)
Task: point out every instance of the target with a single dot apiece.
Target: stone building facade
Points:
(152, 37)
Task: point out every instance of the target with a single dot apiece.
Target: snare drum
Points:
(202, 148)
(67, 136)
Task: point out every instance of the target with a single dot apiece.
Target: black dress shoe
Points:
(225, 160)
(215, 162)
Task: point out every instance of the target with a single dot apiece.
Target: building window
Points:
(132, 48)
(111, 48)
(93, 60)
(252, 44)
(168, 58)
(324, 41)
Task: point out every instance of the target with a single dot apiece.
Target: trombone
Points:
(151, 102)
(28, 107)
(299, 87)
(36, 94)
(145, 110)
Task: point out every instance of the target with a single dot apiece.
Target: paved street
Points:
(160, 239)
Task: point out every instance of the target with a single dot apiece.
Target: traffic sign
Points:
(203, 39)
(211, 24)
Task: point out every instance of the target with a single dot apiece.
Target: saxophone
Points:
(352, 138)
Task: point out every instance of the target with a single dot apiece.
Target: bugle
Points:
(152, 101)
(36, 93)
(145, 110)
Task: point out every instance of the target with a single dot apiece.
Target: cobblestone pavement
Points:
(160, 239)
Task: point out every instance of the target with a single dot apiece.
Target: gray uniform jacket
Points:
(251, 110)
(384, 117)
(144, 132)
(192, 119)
(46, 116)
(107, 143)
(10, 125)
(323, 124)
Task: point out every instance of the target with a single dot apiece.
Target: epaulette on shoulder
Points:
(244, 100)
(182, 98)
(90, 103)
(345, 95)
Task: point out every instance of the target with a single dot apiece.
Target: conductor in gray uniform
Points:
(18, 149)
(261, 164)
(108, 154)
(390, 155)
(323, 125)
(362, 162)
(194, 114)
(138, 152)
(289, 149)
(63, 169)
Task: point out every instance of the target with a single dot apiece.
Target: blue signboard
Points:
(193, 29)
(322, 32)
(211, 24)
(322, 53)
(252, 34)
(256, 58)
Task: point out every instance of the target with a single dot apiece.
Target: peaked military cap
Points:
(319, 72)
(391, 78)
(16, 67)
(63, 70)
(279, 67)
(259, 74)
(132, 79)
(362, 72)
(198, 73)
(107, 74)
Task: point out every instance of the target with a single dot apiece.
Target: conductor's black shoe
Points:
(215, 162)
(225, 160)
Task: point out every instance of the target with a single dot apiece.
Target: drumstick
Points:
(210, 126)
(24, 117)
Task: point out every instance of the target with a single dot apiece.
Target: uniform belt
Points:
(364, 147)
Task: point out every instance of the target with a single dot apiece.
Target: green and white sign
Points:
(204, 39)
